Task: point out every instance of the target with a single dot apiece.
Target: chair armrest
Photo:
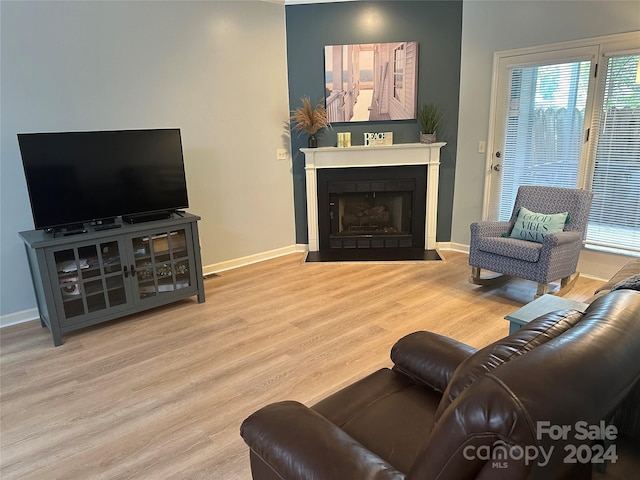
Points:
(560, 238)
(429, 358)
(298, 443)
(490, 229)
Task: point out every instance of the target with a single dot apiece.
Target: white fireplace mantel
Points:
(379, 156)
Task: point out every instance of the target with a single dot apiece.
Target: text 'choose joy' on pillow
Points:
(534, 226)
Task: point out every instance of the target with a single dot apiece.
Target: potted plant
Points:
(309, 120)
(430, 117)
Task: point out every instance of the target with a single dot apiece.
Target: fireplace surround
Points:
(372, 198)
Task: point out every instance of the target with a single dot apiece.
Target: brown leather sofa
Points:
(517, 408)
(628, 270)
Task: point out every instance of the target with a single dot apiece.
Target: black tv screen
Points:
(80, 177)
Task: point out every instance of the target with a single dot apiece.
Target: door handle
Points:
(497, 167)
(498, 154)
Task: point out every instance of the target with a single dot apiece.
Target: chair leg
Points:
(542, 289)
(475, 275)
(476, 280)
(567, 283)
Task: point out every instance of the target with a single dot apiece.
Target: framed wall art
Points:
(371, 81)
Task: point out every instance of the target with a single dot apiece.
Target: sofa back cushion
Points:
(530, 336)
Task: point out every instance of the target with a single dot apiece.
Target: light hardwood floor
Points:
(161, 395)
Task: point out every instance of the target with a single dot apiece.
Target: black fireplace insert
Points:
(372, 208)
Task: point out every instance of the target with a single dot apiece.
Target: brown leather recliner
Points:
(514, 409)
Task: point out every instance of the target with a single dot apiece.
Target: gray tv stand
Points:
(90, 278)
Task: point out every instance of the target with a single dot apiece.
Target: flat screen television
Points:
(75, 178)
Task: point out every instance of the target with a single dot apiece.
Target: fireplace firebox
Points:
(372, 207)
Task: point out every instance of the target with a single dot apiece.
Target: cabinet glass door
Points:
(162, 263)
(90, 278)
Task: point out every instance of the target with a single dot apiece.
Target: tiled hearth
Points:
(358, 175)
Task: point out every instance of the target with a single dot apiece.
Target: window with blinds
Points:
(614, 220)
(544, 128)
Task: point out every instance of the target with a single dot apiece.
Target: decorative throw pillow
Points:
(534, 226)
(631, 283)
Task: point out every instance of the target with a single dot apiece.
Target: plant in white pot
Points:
(430, 118)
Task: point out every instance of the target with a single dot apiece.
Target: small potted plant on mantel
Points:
(310, 120)
(430, 117)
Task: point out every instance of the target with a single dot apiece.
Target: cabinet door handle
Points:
(133, 270)
(126, 272)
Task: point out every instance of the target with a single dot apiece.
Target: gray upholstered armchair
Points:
(533, 254)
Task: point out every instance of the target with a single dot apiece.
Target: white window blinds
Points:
(544, 128)
(614, 220)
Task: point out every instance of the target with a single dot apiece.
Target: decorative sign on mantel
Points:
(378, 138)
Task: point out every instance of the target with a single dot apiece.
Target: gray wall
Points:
(436, 26)
(199, 65)
(217, 70)
(490, 26)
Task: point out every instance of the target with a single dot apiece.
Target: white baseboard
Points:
(593, 264)
(19, 317)
(300, 247)
(32, 313)
(456, 247)
(248, 260)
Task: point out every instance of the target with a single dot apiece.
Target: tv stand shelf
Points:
(104, 274)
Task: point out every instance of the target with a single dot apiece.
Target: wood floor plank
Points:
(161, 394)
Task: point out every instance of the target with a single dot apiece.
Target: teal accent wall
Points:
(436, 26)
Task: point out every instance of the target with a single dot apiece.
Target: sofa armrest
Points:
(429, 358)
(298, 443)
(629, 269)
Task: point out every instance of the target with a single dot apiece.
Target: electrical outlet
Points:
(482, 146)
(281, 154)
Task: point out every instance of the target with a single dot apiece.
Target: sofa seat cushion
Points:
(510, 247)
(387, 413)
(487, 359)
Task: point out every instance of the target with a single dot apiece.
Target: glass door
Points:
(162, 263)
(540, 126)
(90, 278)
